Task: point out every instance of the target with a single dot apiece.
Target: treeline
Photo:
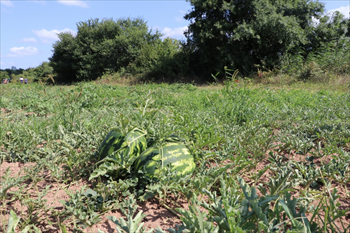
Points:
(252, 36)
(43, 72)
(104, 46)
(10, 73)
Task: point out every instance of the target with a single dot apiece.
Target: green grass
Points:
(242, 124)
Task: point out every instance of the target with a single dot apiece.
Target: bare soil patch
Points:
(157, 214)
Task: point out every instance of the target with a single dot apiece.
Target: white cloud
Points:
(343, 9)
(33, 40)
(6, 3)
(174, 32)
(22, 51)
(49, 36)
(74, 3)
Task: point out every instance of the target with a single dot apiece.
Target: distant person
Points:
(21, 80)
(25, 81)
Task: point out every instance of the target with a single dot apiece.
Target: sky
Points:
(28, 28)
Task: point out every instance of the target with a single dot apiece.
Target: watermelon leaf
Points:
(103, 169)
(133, 224)
(13, 221)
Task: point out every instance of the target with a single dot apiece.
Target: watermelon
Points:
(111, 143)
(132, 144)
(155, 159)
(117, 153)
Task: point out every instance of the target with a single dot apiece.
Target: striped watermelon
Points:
(111, 143)
(154, 159)
(132, 144)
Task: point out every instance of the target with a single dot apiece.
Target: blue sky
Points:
(28, 28)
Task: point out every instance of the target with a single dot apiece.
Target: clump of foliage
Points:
(245, 34)
(4, 75)
(43, 73)
(99, 46)
(164, 59)
(326, 54)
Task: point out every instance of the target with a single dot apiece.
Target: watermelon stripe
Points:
(182, 168)
(173, 159)
(156, 158)
(112, 142)
(131, 145)
(147, 156)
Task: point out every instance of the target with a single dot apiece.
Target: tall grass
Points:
(320, 65)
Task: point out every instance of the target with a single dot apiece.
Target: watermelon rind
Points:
(154, 160)
(131, 145)
(135, 142)
(112, 142)
(118, 152)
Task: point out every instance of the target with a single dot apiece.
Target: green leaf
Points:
(210, 141)
(133, 225)
(102, 170)
(13, 222)
(28, 229)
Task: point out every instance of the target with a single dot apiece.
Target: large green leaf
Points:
(13, 221)
(103, 169)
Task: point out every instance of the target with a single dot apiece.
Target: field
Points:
(267, 159)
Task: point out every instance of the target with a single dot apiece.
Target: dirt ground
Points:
(157, 215)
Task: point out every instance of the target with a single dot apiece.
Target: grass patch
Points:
(269, 156)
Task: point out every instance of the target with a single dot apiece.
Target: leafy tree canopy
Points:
(244, 33)
(3, 75)
(99, 46)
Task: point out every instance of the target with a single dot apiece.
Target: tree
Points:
(161, 59)
(13, 71)
(63, 59)
(99, 46)
(43, 70)
(3, 75)
(242, 33)
(328, 31)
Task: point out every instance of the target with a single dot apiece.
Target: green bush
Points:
(3, 75)
(330, 59)
(161, 59)
(99, 46)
